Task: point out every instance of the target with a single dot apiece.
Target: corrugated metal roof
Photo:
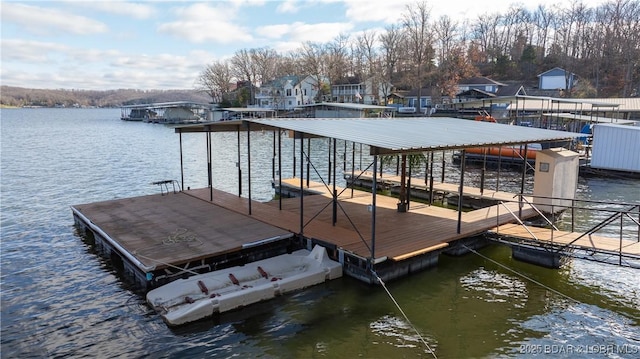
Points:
(541, 103)
(584, 118)
(417, 134)
(351, 106)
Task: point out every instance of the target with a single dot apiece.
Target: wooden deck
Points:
(597, 243)
(175, 228)
(161, 233)
(399, 236)
(443, 187)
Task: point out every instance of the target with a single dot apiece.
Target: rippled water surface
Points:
(59, 299)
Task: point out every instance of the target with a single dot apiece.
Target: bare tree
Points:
(336, 59)
(391, 42)
(266, 62)
(215, 80)
(420, 39)
(312, 58)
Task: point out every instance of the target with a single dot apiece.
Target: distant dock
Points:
(177, 112)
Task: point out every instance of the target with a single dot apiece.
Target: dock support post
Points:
(181, 162)
(299, 134)
(499, 167)
(329, 164)
(524, 171)
(249, 163)
(431, 178)
(460, 191)
(238, 165)
(443, 164)
(353, 164)
(308, 160)
(335, 192)
(209, 171)
(280, 169)
(374, 190)
(273, 158)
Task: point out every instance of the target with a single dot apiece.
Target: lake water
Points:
(59, 299)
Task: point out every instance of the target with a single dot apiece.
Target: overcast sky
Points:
(101, 45)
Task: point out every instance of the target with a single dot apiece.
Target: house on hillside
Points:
(287, 92)
(556, 78)
(484, 84)
(352, 90)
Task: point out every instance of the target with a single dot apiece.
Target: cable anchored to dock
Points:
(403, 314)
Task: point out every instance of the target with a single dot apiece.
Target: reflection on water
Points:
(59, 299)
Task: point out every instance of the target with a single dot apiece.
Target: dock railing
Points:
(164, 186)
(584, 221)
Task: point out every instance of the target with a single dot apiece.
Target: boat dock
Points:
(160, 237)
(176, 112)
(165, 236)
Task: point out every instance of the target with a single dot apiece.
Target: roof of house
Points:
(479, 81)
(476, 93)
(281, 81)
(511, 90)
(351, 80)
(556, 71)
(426, 91)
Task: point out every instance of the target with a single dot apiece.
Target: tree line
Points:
(19, 96)
(600, 45)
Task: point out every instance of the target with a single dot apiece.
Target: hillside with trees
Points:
(18, 97)
(600, 45)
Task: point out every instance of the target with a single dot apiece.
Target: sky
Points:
(104, 45)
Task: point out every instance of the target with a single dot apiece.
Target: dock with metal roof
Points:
(175, 112)
(365, 231)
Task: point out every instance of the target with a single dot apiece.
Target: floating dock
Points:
(163, 237)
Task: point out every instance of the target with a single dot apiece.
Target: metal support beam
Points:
(238, 165)
(209, 167)
(461, 191)
(374, 190)
(524, 171)
(181, 164)
(249, 163)
(296, 134)
(280, 169)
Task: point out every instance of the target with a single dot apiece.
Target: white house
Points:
(287, 92)
(555, 79)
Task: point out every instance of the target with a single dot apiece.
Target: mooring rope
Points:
(522, 275)
(404, 315)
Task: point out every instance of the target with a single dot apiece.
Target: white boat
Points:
(200, 296)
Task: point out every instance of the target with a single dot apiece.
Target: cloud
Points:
(202, 22)
(23, 65)
(301, 32)
(126, 8)
(46, 21)
(27, 51)
(288, 7)
(369, 11)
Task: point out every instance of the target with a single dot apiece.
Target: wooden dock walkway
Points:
(399, 236)
(168, 234)
(597, 243)
(443, 187)
(158, 232)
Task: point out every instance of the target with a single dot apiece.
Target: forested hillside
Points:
(18, 96)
